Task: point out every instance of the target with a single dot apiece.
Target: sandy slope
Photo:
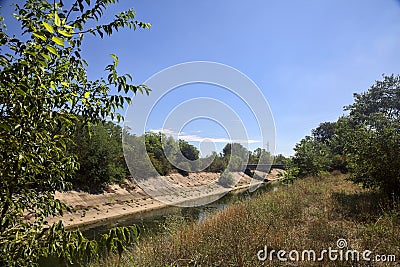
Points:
(126, 199)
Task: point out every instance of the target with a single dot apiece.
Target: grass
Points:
(312, 214)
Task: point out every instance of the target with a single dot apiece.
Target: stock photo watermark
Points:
(147, 111)
(339, 253)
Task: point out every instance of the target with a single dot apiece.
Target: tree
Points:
(323, 151)
(218, 164)
(311, 157)
(324, 133)
(44, 90)
(281, 159)
(236, 156)
(373, 136)
(189, 151)
(261, 156)
(190, 156)
(381, 99)
(328, 134)
(165, 154)
(155, 145)
(236, 149)
(100, 156)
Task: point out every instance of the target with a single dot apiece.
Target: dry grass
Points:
(312, 214)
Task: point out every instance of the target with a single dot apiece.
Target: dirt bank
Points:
(126, 199)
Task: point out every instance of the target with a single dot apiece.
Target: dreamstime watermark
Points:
(185, 107)
(340, 253)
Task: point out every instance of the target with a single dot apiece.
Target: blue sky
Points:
(307, 57)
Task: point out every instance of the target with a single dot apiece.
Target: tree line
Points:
(365, 142)
(100, 155)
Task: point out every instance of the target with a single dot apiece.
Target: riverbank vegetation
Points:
(365, 142)
(100, 155)
(45, 95)
(346, 186)
(314, 213)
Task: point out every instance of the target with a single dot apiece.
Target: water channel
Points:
(156, 221)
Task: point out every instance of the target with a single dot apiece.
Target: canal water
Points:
(155, 221)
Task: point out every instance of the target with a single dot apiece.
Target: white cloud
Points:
(165, 131)
(196, 138)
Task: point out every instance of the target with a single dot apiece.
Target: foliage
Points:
(261, 156)
(168, 155)
(366, 141)
(290, 174)
(373, 134)
(100, 156)
(235, 164)
(323, 151)
(218, 164)
(281, 159)
(187, 161)
(329, 135)
(155, 150)
(189, 151)
(236, 149)
(135, 153)
(44, 90)
(72, 247)
(311, 157)
(288, 177)
(324, 133)
(235, 156)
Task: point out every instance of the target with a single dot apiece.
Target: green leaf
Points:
(51, 49)
(52, 85)
(4, 59)
(65, 33)
(48, 27)
(114, 57)
(39, 36)
(31, 53)
(120, 247)
(87, 94)
(5, 126)
(42, 63)
(58, 41)
(45, 56)
(57, 20)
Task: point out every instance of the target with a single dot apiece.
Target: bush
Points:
(311, 158)
(372, 131)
